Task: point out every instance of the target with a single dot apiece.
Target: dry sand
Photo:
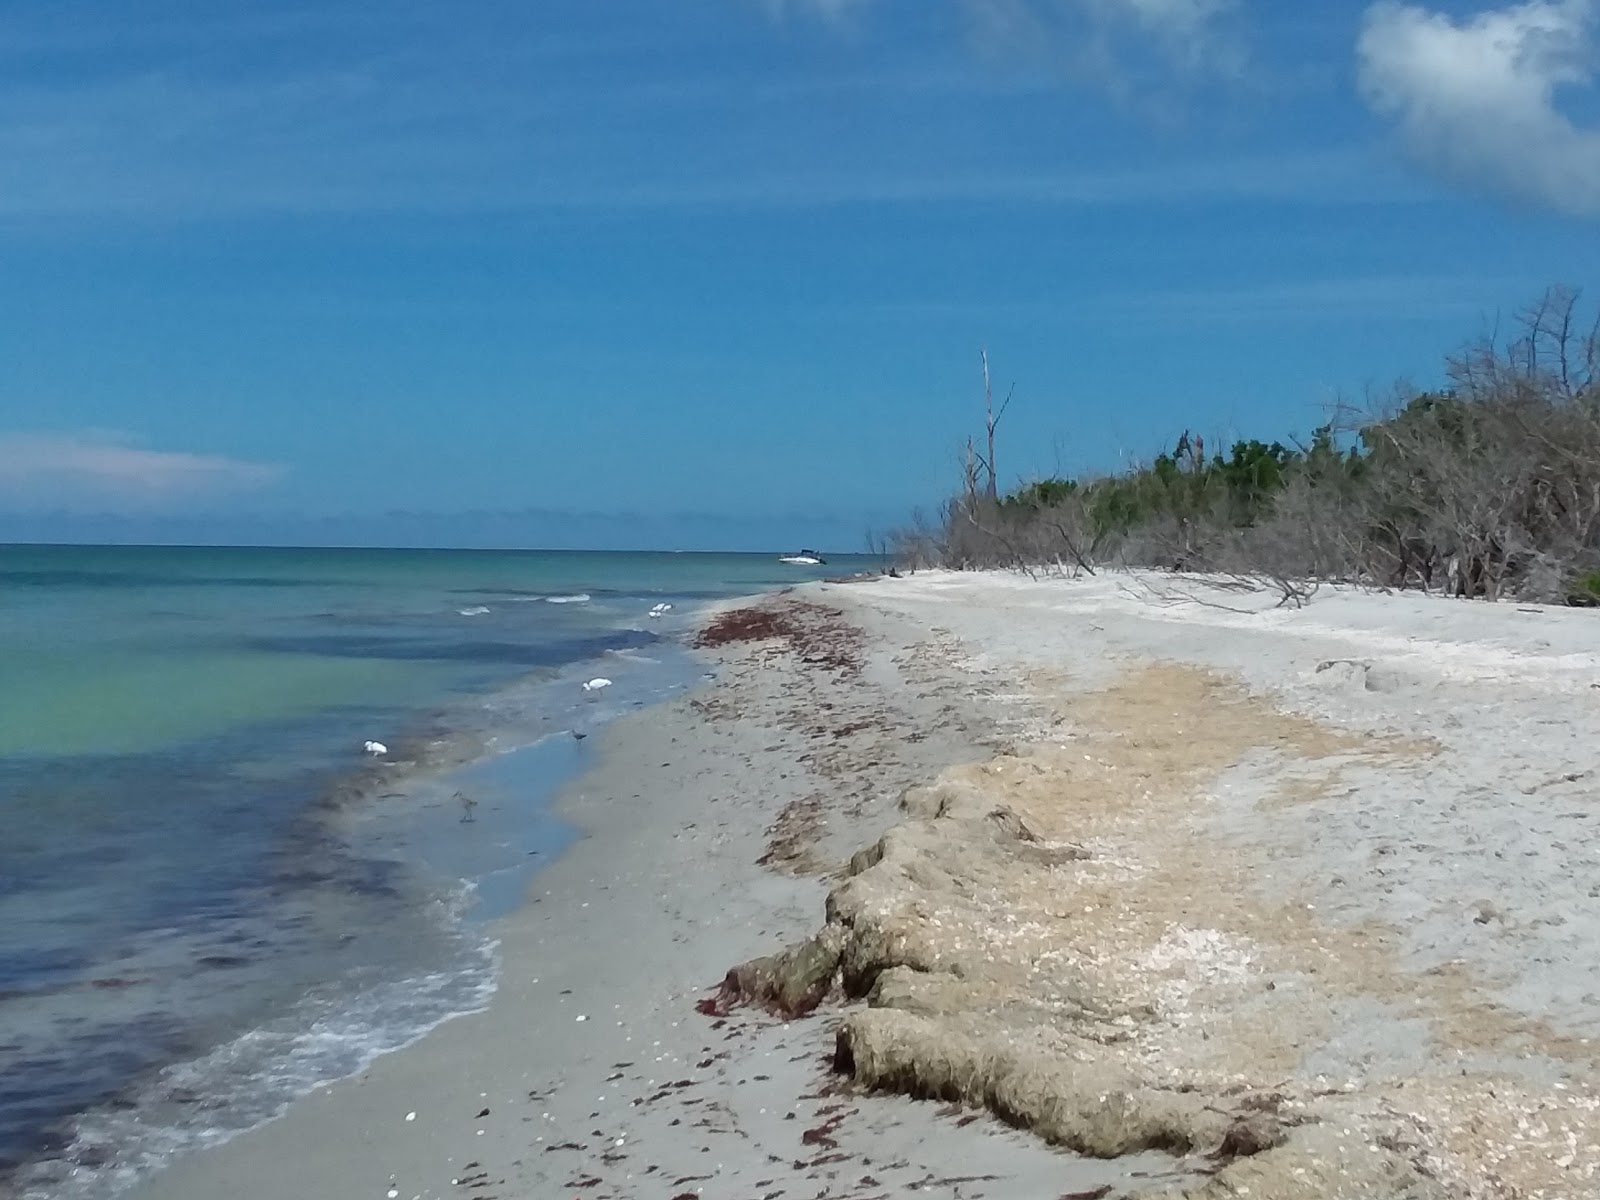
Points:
(1241, 900)
(1332, 899)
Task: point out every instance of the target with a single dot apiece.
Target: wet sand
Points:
(592, 1073)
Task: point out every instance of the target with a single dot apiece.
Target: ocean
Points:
(212, 899)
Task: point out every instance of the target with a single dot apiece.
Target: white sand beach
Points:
(1204, 896)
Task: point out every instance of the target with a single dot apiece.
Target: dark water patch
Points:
(114, 580)
(43, 1092)
(137, 884)
(423, 648)
(26, 970)
(523, 593)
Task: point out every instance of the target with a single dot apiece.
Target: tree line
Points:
(1486, 487)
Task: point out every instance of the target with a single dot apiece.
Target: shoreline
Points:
(1290, 901)
(394, 819)
(592, 1070)
(214, 920)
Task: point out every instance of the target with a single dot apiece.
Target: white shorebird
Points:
(594, 685)
(659, 611)
(376, 749)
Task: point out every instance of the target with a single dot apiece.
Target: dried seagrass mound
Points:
(1053, 935)
(951, 928)
(1030, 1085)
(953, 1016)
(788, 984)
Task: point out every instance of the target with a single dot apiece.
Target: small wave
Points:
(575, 598)
(632, 656)
(477, 611)
(253, 1079)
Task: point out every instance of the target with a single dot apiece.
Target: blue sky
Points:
(276, 271)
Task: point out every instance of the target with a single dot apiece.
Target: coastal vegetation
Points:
(1487, 486)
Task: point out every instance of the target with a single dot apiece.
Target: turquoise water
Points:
(112, 649)
(208, 896)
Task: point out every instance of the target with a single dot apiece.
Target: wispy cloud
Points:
(1165, 19)
(164, 149)
(1476, 101)
(1133, 49)
(828, 10)
(70, 470)
(1184, 29)
(366, 120)
(1395, 298)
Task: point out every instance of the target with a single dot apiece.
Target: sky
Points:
(718, 273)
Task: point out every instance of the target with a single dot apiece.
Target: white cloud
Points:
(1476, 101)
(69, 469)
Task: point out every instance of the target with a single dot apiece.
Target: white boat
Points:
(806, 558)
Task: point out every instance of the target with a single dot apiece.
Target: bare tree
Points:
(919, 544)
(969, 477)
(881, 547)
(991, 419)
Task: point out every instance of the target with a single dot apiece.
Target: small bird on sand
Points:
(576, 736)
(467, 805)
(594, 685)
(376, 749)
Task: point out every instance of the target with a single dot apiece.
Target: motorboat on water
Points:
(806, 558)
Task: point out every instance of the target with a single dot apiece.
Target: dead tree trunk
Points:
(991, 419)
(988, 410)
